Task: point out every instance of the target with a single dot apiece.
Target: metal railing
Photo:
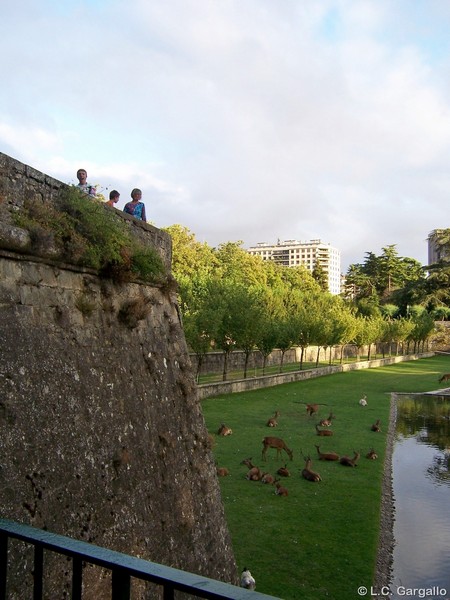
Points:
(122, 566)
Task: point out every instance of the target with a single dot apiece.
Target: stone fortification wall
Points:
(101, 432)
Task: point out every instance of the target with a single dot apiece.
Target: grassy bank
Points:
(321, 540)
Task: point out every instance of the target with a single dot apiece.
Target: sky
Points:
(242, 120)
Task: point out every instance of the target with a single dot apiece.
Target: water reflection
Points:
(421, 485)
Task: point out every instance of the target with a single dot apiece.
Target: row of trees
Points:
(233, 300)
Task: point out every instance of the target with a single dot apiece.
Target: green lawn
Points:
(321, 540)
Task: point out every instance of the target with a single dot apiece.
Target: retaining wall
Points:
(255, 383)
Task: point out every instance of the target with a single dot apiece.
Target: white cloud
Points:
(248, 121)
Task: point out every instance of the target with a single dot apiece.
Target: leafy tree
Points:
(225, 331)
(302, 307)
(322, 332)
(268, 338)
(248, 322)
(194, 266)
(374, 331)
(423, 326)
(380, 276)
(201, 324)
(395, 271)
(238, 266)
(318, 273)
(441, 314)
(416, 310)
(190, 259)
(285, 339)
(400, 329)
(358, 284)
(240, 321)
(343, 326)
(437, 287)
(368, 331)
(389, 310)
(368, 307)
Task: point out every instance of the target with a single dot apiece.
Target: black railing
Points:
(122, 566)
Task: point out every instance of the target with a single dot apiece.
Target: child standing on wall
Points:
(113, 198)
(136, 207)
(83, 185)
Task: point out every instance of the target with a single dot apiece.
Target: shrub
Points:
(146, 263)
(85, 305)
(133, 311)
(79, 230)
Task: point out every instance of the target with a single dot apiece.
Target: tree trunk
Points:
(318, 356)
(225, 366)
(200, 358)
(247, 356)
(302, 353)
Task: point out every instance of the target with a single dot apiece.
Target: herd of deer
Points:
(255, 473)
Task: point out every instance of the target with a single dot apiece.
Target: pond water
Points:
(421, 486)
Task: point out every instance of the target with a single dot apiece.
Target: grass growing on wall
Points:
(320, 541)
(79, 230)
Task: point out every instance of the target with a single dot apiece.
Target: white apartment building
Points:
(292, 253)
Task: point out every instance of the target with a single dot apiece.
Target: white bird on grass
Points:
(363, 401)
(247, 580)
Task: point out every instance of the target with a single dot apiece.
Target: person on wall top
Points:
(136, 207)
(113, 197)
(83, 185)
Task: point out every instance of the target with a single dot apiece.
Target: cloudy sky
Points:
(252, 120)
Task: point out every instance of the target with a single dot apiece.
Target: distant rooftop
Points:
(289, 243)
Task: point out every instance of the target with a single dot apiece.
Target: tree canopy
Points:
(231, 299)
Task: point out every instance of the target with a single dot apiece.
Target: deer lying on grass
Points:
(327, 422)
(350, 462)
(444, 377)
(272, 422)
(308, 473)
(254, 473)
(267, 478)
(323, 432)
(280, 490)
(283, 471)
(372, 455)
(224, 430)
(222, 471)
(278, 443)
(376, 426)
(326, 455)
